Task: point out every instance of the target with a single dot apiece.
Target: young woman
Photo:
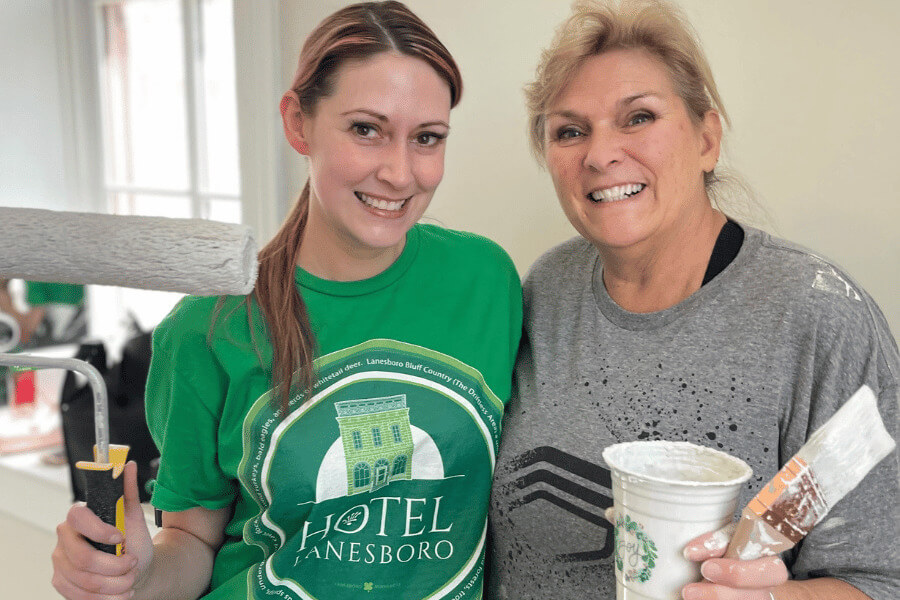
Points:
(665, 319)
(333, 434)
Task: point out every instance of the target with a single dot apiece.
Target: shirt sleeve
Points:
(510, 303)
(515, 312)
(857, 541)
(186, 387)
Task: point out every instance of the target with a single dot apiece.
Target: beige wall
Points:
(812, 87)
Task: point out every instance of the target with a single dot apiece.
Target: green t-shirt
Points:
(38, 293)
(378, 484)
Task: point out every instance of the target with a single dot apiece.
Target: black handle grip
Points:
(105, 495)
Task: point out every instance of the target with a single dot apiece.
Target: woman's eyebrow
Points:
(569, 114)
(634, 97)
(566, 114)
(371, 113)
(433, 123)
(384, 119)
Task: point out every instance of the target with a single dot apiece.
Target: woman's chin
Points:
(613, 234)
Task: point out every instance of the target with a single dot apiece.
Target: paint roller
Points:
(190, 256)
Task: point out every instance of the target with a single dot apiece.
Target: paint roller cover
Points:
(190, 256)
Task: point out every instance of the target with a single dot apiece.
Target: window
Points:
(399, 465)
(362, 476)
(381, 472)
(169, 111)
(398, 439)
(357, 440)
(166, 87)
(376, 436)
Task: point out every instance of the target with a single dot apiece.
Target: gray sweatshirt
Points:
(750, 364)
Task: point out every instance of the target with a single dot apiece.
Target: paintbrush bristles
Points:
(847, 446)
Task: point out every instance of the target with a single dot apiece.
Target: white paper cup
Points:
(666, 494)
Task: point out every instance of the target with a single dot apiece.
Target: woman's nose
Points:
(396, 166)
(605, 148)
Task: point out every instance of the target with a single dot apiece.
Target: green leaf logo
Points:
(643, 548)
(368, 586)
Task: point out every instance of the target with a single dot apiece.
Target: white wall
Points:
(32, 172)
(811, 86)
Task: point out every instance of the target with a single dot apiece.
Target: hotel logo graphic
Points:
(377, 441)
(373, 485)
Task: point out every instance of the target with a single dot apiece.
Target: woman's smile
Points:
(617, 193)
(383, 206)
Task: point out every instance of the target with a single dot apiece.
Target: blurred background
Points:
(170, 108)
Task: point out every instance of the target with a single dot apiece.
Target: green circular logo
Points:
(369, 485)
(636, 548)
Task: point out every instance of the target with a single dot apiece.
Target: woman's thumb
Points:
(134, 512)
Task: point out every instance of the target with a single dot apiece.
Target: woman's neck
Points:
(329, 255)
(664, 271)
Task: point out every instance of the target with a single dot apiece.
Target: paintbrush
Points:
(831, 463)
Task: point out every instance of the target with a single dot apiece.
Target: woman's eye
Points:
(638, 118)
(567, 133)
(364, 130)
(429, 139)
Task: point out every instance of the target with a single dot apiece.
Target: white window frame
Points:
(264, 190)
(258, 80)
(195, 122)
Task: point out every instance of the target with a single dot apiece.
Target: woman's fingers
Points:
(763, 572)
(728, 579)
(132, 494)
(136, 532)
(71, 591)
(709, 591)
(709, 545)
(138, 542)
(610, 514)
(81, 555)
(78, 582)
(84, 521)
(82, 571)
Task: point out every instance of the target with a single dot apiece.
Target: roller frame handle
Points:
(104, 489)
(105, 492)
(98, 388)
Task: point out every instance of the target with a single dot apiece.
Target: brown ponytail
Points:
(356, 32)
(287, 322)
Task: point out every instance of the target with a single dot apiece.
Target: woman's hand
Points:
(731, 579)
(81, 572)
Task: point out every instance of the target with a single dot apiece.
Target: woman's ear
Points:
(711, 140)
(293, 120)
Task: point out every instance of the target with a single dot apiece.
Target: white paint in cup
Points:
(666, 494)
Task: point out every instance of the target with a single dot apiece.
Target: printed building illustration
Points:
(377, 441)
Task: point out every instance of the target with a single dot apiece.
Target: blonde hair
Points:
(597, 26)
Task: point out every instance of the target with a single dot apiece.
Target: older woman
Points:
(668, 320)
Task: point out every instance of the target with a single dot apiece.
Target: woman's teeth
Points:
(619, 192)
(379, 203)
